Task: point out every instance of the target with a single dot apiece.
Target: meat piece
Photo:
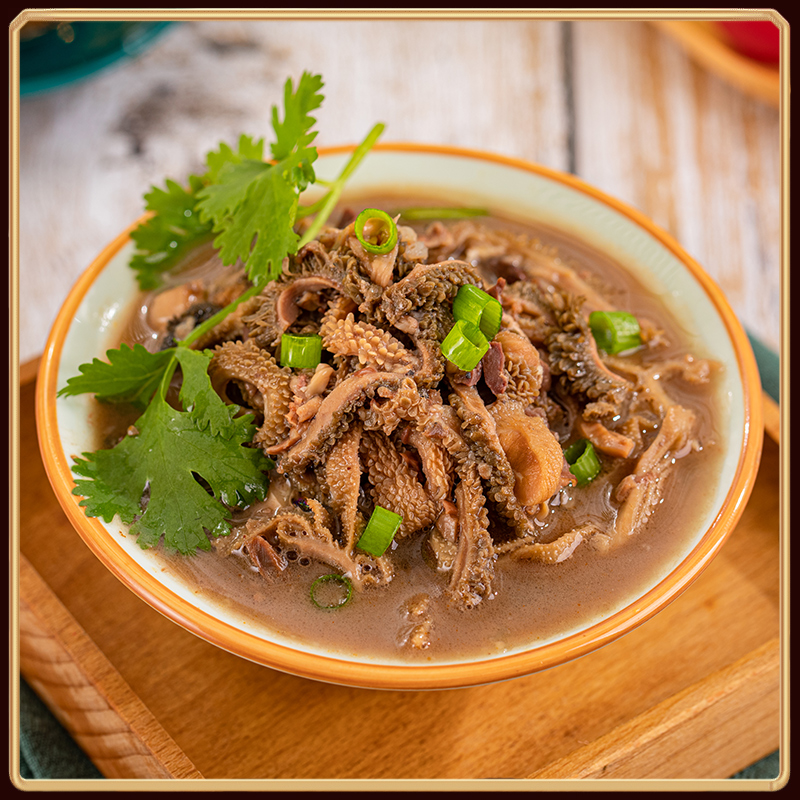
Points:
(264, 557)
(427, 287)
(556, 551)
(573, 355)
(473, 567)
(306, 536)
(470, 378)
(494, 371)
(395, 486)
(370, 345)
(391, 406)
(533, 452)
(606, 441)
(273, 311)
(479, 429)
(376, 265)
(343, 479)
(334, 416)
(641, 491)
(522, 365)
(262, 383)
(418, 622)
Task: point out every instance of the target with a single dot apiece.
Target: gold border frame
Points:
(557, 14)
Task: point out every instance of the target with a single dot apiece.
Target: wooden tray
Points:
(692, 694)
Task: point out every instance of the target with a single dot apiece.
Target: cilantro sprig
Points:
(179, 470)
(248, 205)
(150, 479)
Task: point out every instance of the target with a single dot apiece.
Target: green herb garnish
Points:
(380, 531)
(445, 212)
(248, 205)
(166, 455)
(131, 375)
(465, 345)
(476, 306)
(345, 591)
(615, 331)
(583, 461)
(376, 231)
(180, 470)
(301, 351)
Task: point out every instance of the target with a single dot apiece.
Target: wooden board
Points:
(692, 694)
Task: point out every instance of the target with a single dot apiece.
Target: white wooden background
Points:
(616, 102)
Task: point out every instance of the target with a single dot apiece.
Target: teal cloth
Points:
(769, 367)
(48, 751)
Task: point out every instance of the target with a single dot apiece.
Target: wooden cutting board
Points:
(692, 694)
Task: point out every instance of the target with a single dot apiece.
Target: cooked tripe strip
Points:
(394, 485)
(473, 566)
(558, 550)
(343, 478)
(372, 346)
(263, 384)
(641, 490)
(532, 451)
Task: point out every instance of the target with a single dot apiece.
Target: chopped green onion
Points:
(465, 345)
(341, 580)
(380, 530)
(301, 351)
(376, 231)
(476, 306)
(442, 213)
(615, 331)
(583, 462)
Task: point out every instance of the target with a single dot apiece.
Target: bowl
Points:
(55, 55)
(93, 311)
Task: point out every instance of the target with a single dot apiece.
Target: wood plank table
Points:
(694, 693)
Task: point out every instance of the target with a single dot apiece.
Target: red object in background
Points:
(758, 40)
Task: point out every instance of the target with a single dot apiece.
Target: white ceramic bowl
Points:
(93, 311)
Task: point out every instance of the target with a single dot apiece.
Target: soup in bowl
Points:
(502, 419)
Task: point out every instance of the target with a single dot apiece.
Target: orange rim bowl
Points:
(385, 675)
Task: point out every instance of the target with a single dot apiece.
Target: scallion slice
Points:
(380, 530)
(465, 345)
(342, 580)
(442, 213)
(476, 306)
(583, 462)
(301, 351)
(615, 331)
(376, 231)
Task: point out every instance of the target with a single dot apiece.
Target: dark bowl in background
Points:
(55, 54)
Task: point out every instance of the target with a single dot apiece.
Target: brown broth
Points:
(531, 602)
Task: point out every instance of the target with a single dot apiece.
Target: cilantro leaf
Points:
(294, 134)
(163, 239)
(131, 375)
(254, 211)
(253, 205)
(198, 396)
(165, 457)
(220, 200)
(217, 159)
